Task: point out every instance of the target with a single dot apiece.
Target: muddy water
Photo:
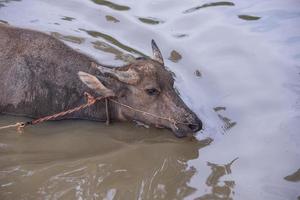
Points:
(236, 65)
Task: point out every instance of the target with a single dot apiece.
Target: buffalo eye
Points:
(152, 92)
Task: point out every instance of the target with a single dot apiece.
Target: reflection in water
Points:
(68, 18)
(248, 17)
(219, 189)
(110, 18)
(180, 35)
(119, 55)
(112, 40)
(219, 108)
(221, 3)
(175, 56)
(198, 73)
(34, 21)
(70, 160)
(3, 21)
(245, 64)
(2, 2)
(150, 20)
(228, 123)
(111, 5)
(68, 38)
(295, 177)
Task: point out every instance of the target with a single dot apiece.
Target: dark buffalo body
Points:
(40, 75)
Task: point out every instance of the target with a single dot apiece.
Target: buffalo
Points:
(40, 75)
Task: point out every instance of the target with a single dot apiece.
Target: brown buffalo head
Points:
(148, 86)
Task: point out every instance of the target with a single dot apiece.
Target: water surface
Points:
(236, 65)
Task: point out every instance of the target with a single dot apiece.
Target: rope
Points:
(18, 124)
(90, 101)
(174, 122)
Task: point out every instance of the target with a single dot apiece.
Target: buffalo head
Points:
(148, 86)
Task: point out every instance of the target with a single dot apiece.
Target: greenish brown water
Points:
(77, 158)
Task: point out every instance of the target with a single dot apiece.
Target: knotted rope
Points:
(90, 101)
(18, 125)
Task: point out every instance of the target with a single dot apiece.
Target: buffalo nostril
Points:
(195, 127)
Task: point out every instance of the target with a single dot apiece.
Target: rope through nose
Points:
(173, 121)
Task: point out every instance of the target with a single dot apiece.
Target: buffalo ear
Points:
(156, 53)
(93, 83)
